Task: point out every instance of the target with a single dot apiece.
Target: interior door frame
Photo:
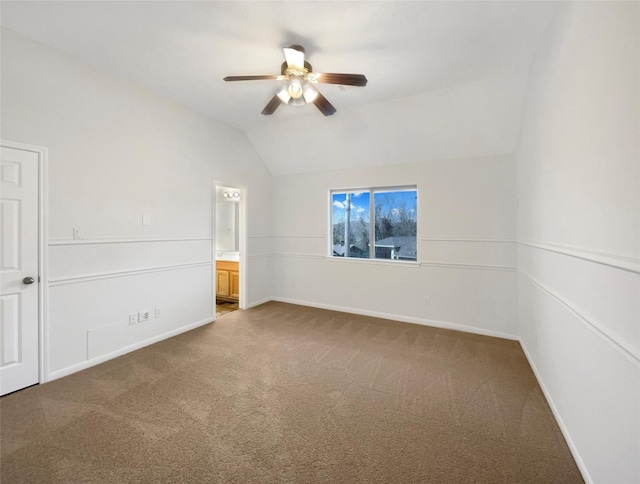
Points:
(242, 241)
(43, 251)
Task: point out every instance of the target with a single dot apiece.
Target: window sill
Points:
(377, 262)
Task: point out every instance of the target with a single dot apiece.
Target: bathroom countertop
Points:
(228, 256)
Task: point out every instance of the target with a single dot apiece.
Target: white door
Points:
(19, 330)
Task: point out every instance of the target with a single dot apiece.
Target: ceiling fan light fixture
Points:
(294, 88)
(283, 94)
(309, 93)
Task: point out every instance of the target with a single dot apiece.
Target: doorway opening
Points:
(229, 235)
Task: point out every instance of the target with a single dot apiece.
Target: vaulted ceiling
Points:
(446, 79)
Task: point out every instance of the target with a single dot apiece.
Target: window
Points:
(387, 216)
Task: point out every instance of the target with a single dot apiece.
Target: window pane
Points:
(396, 217)
(350, 219)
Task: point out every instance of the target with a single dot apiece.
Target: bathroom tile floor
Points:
(225, 307)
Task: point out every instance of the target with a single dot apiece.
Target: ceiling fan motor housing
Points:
(284, 67)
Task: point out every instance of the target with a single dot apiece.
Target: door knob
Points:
(28, 280)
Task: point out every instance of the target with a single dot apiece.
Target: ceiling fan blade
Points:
(294, 56)
(271, 106)
(323, 105)
(253, 78)
(344, 79)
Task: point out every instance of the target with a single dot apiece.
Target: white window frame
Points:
(372, 228)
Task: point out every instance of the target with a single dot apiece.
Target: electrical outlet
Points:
(158, 312)
(133, 318)
(143, 316)
(77, 233)
(426, 300)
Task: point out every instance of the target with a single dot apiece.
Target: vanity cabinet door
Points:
(234, 283)
(222, 283)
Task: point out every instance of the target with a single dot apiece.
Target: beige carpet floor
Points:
(284, 393)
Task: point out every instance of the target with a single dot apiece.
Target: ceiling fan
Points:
(300, 78)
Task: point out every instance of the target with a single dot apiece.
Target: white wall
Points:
(117, 151)
(466, 246)
(578, 231)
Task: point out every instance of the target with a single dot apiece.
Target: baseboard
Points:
(126, 349)
(253, 304)
(399, 317)
(563, 428)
